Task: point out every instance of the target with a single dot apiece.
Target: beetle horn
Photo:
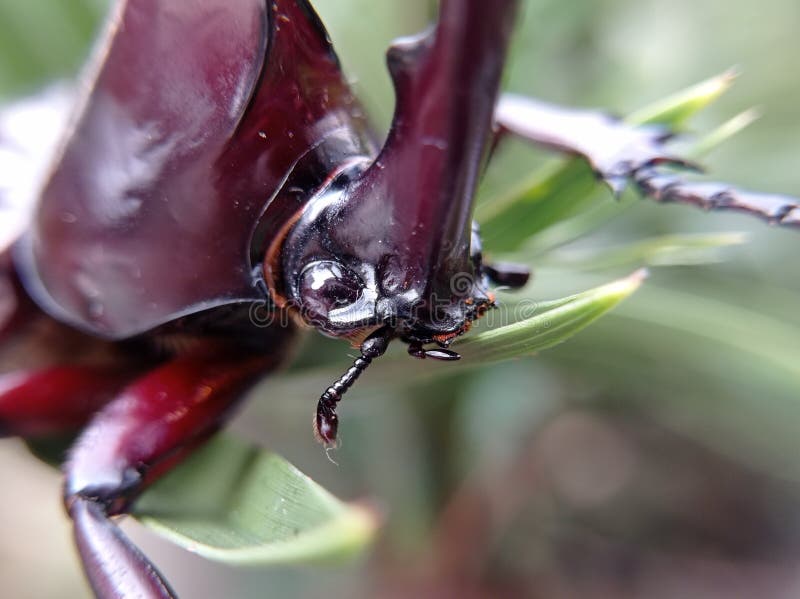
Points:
(421, 187)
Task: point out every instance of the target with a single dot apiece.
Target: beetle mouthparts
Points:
(415, 350)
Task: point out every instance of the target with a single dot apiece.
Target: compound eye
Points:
(325, 286)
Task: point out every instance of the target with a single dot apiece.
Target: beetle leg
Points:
(774, 208)
(622, 153)
(614, 149)
(55, 400)
(147, 429)
(507, 274)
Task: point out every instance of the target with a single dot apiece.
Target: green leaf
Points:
(665, 250)
(723, 133)
(677, 109)
(236, 503)
(556, 191)
(557, 322)
(562, 188)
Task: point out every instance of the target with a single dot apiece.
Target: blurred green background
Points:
(654, 455)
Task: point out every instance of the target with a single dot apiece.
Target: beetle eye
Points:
(325, 286)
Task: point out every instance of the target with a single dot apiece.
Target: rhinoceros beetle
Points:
(219, 161)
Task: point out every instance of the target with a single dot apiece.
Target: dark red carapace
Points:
(218, 160)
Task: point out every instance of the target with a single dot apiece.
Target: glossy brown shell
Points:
(196, 116)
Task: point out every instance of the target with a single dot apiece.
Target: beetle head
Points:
(350, 266)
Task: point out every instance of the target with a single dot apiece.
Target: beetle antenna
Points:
(326, 421)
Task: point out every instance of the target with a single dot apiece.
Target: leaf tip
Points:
(725, 131)
(639, 276)
(734, 238)
(622, 288)
(730, 74)
(614, 292)
(369, 516)
(676, 109)
(748, 117)
(712, 88)
(361, 523)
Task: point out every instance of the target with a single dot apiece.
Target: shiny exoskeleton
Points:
(218, 160)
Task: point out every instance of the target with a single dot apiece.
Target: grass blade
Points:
(551, 326)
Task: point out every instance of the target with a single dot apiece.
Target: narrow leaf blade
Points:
(678, 108)
(236, 503)
(561, 321)
(664, 250)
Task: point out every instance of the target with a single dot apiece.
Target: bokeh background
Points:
(653, 455)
